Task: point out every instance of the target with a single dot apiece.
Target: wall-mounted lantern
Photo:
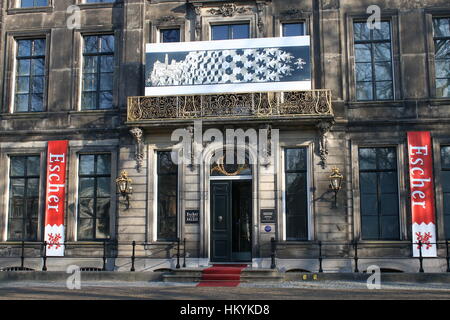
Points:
(124, 186)
(335, 183)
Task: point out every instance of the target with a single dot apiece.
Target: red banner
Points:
(422, 193)
(55, 197)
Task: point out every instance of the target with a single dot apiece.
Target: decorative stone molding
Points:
(198, 22)
(324, 127)
(260, 6)
(266, 161)
(166, 19)
(137, 134)
(229, 10)
(291, 13)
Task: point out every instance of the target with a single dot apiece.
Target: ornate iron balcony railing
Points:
(291, 104)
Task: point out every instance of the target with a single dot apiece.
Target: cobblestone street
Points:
(167, 291)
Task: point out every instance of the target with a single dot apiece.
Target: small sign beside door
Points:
(268, 216)
(192, 216)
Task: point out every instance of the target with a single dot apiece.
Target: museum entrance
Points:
(231, 208)
(231, 220)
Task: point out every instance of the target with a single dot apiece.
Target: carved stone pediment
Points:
(229, 10)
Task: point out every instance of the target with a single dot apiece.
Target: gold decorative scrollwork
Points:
(235, 105)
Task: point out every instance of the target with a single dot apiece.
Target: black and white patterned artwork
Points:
(264, 64)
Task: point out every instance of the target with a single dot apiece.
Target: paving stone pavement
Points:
(291, 290)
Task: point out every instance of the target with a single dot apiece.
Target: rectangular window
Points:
(230, 31)
(98, 72)
(378, 183)
(293, 29)
(99, 1)
(445, 178)
(30, 75)
(169, 35)
(167, 198)
(94, 196)
(373, 62)
(33, 3)
(296, 193)
(442, 56)
(23, 198)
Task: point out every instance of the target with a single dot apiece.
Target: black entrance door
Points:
(231, 212)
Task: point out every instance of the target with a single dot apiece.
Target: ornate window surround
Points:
(431, 14)
(9, 77)
(350, 78)
(168, 22)
(37, 148)
(402, 172)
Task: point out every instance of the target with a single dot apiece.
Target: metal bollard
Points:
(133, 255)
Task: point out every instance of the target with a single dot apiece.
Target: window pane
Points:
(90, 44)
(296, 192)
(383, 71)
(33, 166)
(18, 187)
(364, 72)
(23, 67)
(18, 166)
(37, 102)
(390, 228)
(364, 91)
(103, 164)
(170, 35)
(15, 228)
(87, 164)
(387, 158)
(361, 31)
(86, 187)
(384, 90)
(24, 48)
(219, 32)
(442, 49)
(103, 187)
(39, 47)
(37, 68)
(167, 197)
(107, 43)
(367, 159)
(240, 31)
(368, 182)
(85, 229)
(445, 157)
(369, 227)
(363, 52)
(441, 27)
(21, 102)
(107, 64)
(382, 52)
(89, 101)
(379, 193)
(293, 29)
(369, 205)
(86, 208)
(296, 159)
(384, 33)
(443, 88)
(106, 100)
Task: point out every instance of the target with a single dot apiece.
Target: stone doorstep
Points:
(247, 275)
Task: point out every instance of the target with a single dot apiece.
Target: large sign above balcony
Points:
(228, 66)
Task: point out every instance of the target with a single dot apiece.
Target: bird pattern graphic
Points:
(208, 67)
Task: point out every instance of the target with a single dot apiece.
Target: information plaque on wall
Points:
(192, 216)
(268, 216)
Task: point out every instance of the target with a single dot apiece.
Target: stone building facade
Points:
(85, 84)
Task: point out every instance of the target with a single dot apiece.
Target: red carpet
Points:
(222, 275)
